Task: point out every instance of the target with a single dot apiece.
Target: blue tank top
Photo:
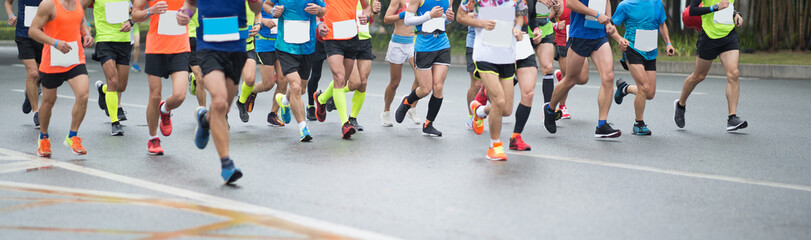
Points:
(208, 9)
(430, 42)
(22, 30)
(265, 31)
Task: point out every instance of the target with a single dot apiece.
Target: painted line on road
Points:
(209, 200)
(657, 90)
(740, 180)
(89, 99)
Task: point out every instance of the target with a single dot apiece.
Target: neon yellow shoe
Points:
(285, 109)
(75, 145)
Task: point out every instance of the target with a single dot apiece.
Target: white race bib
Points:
(167, 24)
(344, 29)
(541, 9)
(596, 5)
(296, 32)
(361, 27)
(59, 59)
(433, 25)
(524, 48)
(646, 40)
(725, 16)
(30, 13)
(501, 36)
(117, 12)
(275, 30)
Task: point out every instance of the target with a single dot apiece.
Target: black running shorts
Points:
(584, 47)
(426, 60)
(503, 71)
(163, 65)
(365, 50)
(266, 58)
(230, 63)
(633, 57)
(119, 52)
(27, 48)
(710, 49)
(54, 80)
(347, 48)
(292, 63)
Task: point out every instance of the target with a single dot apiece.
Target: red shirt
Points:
(560, 35)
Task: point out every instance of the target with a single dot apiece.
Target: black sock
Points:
(521, 116)
(412, 98)
(515, 81)
(678, 105)
(640, 123)
(732, 116)
(547, 86)
(433, 108)
(226, 161)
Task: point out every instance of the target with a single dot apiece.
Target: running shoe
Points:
(193, 84)
(311, 113)
(284, 108)
(122, 115)
(429, 130)
(478, 122)
(243, 112)
(249, 103)
(619, 95)
(518, 144)
(26, 104)
(330, 105)
(75, 145)
(558, 75)
(36, 119)
(102, 101)
(549, 119)
(305, 135)
(641, 129)
(153, 146)
(402, 110)
(230, 173)
(117, 129)
(347, 130)
(274, 121)
(136, 68)
(564, 112)
(201, 132)
(606, 131)
(469, 122)
(481, 96)
(385, 118)
(166, 121)
(679, 116)
(320, 112)
(44, 147)
(735, 123)
(412, 114)
(496, 153)
(354, 122)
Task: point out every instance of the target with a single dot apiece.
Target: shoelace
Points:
(77, 143)
(46, 144)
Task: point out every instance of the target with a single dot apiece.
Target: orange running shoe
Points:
(478, 123)
(496, 153)
(75, 145)
(44, 147)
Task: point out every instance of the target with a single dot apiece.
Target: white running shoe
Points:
(386, 118)
(412, 114)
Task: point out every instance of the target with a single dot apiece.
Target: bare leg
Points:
(698, 75)
(222, 92)
(730, 61)
(79, 84)
(201, 89)
(605, 66)
(32, 74)
(396, 73)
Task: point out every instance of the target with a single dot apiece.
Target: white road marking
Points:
(208, 200)
(20, 166)
(89, 99)
(18, 65)
(740, 180)
(657, 90)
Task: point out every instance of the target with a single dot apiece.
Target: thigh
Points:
(730, 60)
(527, 78)
(603, 59)
(639, 74)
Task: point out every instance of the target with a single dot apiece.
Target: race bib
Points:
(344, 29)
(524, 48)
(167, 24)
(646, 40)
(59, 59)
(296, 32)
(541, 9)
(117, 12)
(222, 29)
(30, 13)
(725, 16)
(361, 27)
(275, 30)
(599, 6)
(434, 24)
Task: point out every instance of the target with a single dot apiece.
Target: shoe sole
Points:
(348, 134)
(743, 125)
(642, 134)
(431, 135)
(388, 125)
(234, 177)
(156, 154)
(44, 155)
(71, 149)
(516, 149)
(610, 135)
(497, 159)
(118, 134)
(307, 138)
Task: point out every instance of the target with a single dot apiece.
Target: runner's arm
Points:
(256, 6)
(410, 16)
(138, 11)
(45, 13)
(391, 15)
(9, 4)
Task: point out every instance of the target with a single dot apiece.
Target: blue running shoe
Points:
(136, 68)
(641, 129)
(201, 132)
(618, 95)
(305, 135)
(284, 108)
(230, 173)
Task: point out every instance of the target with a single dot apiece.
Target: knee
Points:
(527, 94)
(295, 88)
(32, 75)
(394, 84)
(697, 78)
(476, 84)
(499, 103)
(218, 105)
(437, 88)
(732, 75)
(609, 76)
(80, 99)
(180, 96)
(121, 88)
(650, 93)
(547, 68)
(154, 96)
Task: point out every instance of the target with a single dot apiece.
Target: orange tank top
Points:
(157, 43)
(339, 12)
(66, 26)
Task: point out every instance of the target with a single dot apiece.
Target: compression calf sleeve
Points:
(357, 103)
(433, 108)
(112, 105)
(521, 117)
(328, 93)
(339, 97)
(245, 92)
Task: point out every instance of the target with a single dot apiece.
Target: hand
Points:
(63, 47)
(158, 8)
(277, 10)
(363, 19)
(87, 41)
(312, 8)
(623, 44)
(449, 15)
(376, 7)
(436, 12)
(519, 35)
(12, 20)
(558, 5)
(610, 29)
(183, 17)
(548, 3)
(561, 25)
(487, 24)
(603, 19)
(268, 23)
(125, 27)
(537, 33)
(323, 29)
(738, 20)
(254, 30)
(723, 4)
(670, 50)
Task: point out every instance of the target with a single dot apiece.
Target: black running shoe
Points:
(429, 130)
(274, 120)
(735, 123)
(549, 119)
(320, 112)
(401, 111)
(347, 130)
(36, 119)
(354, 122)
(102, 101)
(679, 116)
(311, 113)
(118, 130)
(249, 103)
(122, 115)
(26, 104)
(606, 131)
(330, 105)
(243, 112)
(619, 95)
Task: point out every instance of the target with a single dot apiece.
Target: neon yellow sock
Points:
(245, 92)
(327, 94)
(357, 102)
(112, 104)
(339, 97)
(346, 88)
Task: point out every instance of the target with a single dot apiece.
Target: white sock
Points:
(302, 125)
(494, 141)
(163, 108)
(480, 112)
(153, 137)
(285, 101)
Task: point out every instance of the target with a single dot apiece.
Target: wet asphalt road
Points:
(697, 182)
